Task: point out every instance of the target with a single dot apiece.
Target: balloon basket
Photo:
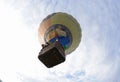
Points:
(52, 54)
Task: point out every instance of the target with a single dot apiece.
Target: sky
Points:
(95, 60)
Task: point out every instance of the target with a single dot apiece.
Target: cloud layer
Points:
(95, 60)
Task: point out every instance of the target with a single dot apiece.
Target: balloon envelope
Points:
(64, 27)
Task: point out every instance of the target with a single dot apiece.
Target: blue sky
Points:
(95, 60)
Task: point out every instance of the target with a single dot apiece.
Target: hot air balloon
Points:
(59, 34)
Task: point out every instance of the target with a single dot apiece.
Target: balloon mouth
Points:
(59, 33)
